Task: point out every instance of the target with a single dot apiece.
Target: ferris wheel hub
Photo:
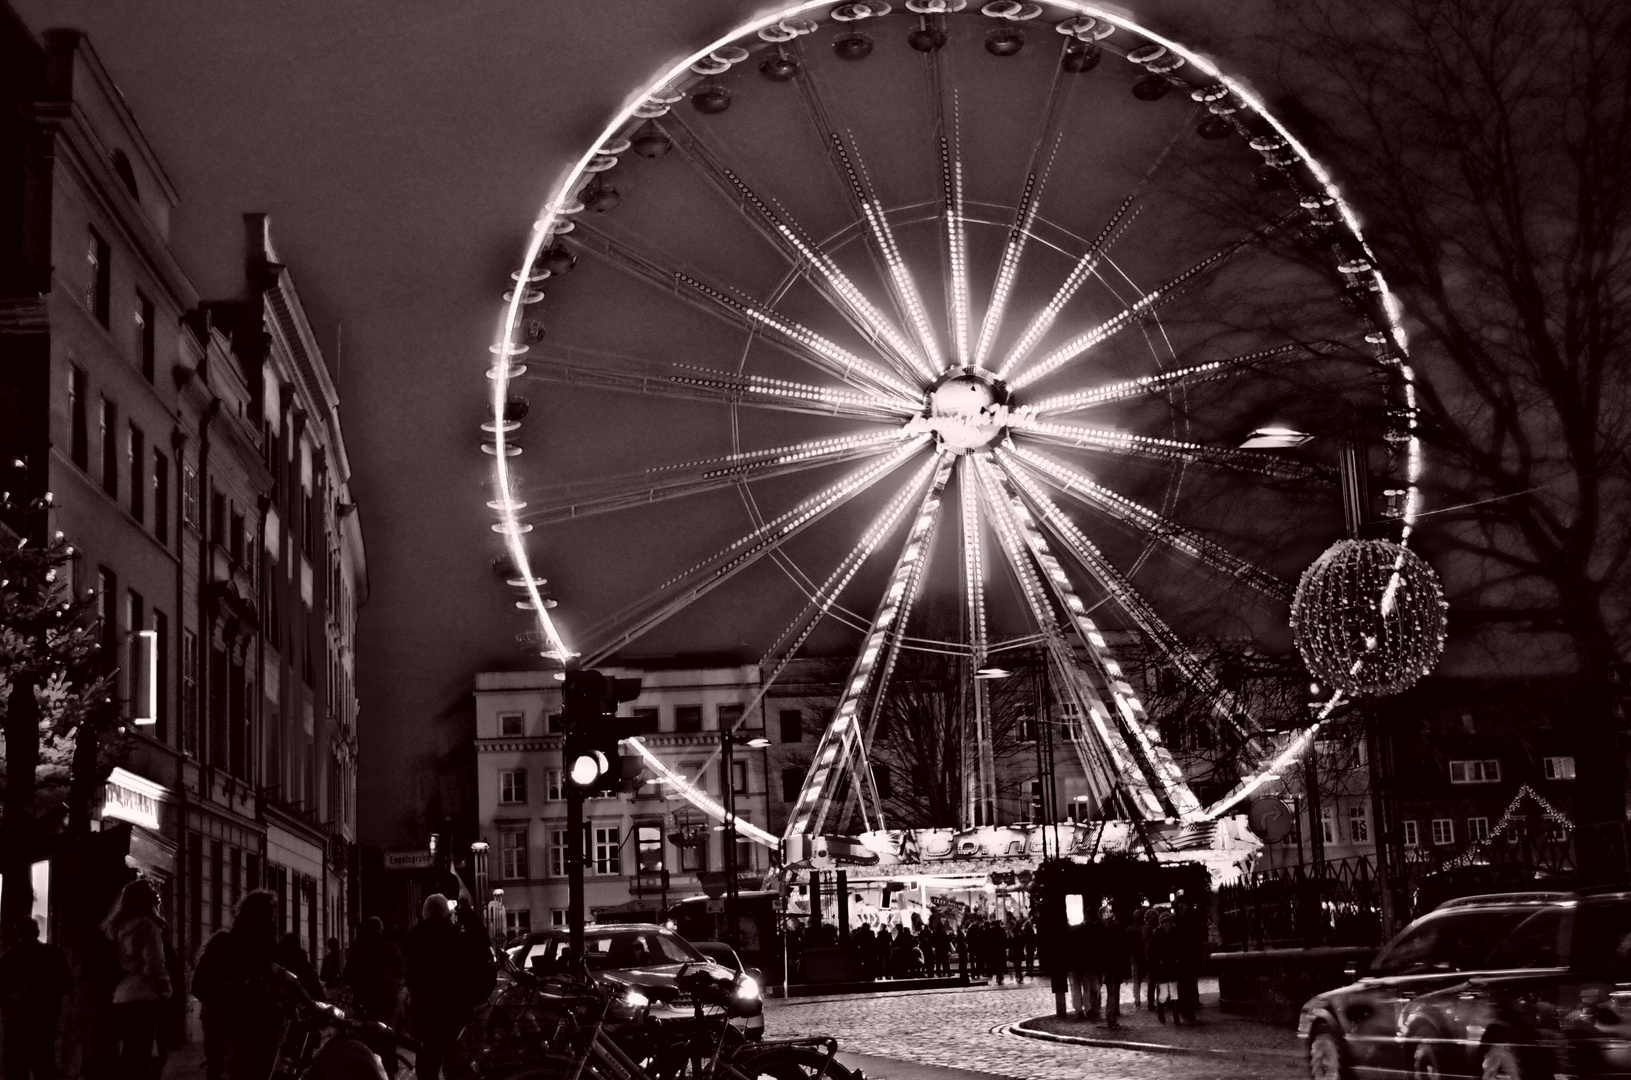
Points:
(967, 411)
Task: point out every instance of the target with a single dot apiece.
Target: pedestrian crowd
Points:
(251, 982)
(1159, 950)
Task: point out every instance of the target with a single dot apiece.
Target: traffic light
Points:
(590, 757)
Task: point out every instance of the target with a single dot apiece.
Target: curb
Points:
(1268, 1057)
(906, 991)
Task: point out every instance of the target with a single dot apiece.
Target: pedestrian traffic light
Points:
(590, 757)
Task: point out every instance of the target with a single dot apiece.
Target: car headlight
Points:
(634, 999)
(747, 988)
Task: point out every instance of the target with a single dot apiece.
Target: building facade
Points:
(643, 850)
(193, 454)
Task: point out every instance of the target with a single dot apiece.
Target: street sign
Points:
(716, 907)
(409, 859)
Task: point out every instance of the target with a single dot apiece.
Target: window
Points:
(557, 916)
(136, 460)
(606, 850)
(649, 841)
(189, 692)
(189, 495)
(745, 854)
(792, 783)
(146, 344)
(1025, 727)
(729, 717)
(1411, 837)
(555, 723)
(99, 275)
(517, 923)
(161, 497)
(885, 782)
(78, 430)
(1558, 768)
(512, 786)
(557, 852)
(107, 588)
(1477, 829)
(512, 853)
(1443, 830)
(1328, 829)
(739, 777)
(511, 723)
(792, 725)
(694, 859)
(1482, 771)
(646, 721)
(110, 452)
(161, 631)
(552, 785)
(688, 718)
(1358, 825)
(235, 537)
(218, 516)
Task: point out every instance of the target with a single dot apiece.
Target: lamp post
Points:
(727, 791)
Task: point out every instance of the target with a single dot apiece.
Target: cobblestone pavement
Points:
(961, 1029)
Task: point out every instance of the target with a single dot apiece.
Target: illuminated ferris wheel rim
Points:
(960, 432)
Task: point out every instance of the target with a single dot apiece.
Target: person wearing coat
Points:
(137, 933)
(245, 994)
(34, 978)
(447, 978)
(1082, 966)
(1163, 958)
(1113, 964)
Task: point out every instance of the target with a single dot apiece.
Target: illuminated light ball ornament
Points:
(1369, 617)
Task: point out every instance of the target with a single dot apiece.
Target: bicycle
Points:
(323, 1043)
(567, 1016)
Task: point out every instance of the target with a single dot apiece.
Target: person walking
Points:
(1189, 925)
(245, 996)
(134, 927)
(1133, 937)
(999, 949)
(291, 957)
(1027, 931)
(1163, 954)
(1152, 919)
(1113, 963)
(1016, 951)
(333, 966)
(34, 978)
(446, 980)
(1079, 942)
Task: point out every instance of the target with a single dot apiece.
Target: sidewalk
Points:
(1216, 1035)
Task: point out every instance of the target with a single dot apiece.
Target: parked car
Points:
(641, 963)
(1352, 1032)
(1557, 1001)
(720, 953)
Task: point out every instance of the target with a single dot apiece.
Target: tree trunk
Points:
(22, 759)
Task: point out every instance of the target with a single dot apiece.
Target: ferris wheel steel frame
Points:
(1005, 485)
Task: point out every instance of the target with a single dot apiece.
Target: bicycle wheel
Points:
(550, 1067)
(791, 1063)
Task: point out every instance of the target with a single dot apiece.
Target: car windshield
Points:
(636, 948)
(1455, 940)
(1539, 941)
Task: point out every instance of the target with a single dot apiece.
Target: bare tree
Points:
(1488, 143)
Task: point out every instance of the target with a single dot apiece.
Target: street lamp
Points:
(727, 791)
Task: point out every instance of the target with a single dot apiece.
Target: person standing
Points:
(1078, 964)
(34, 978)
(134, 927)
(1027, 932)
(1189, 926)
(244, 993)
(1113, 963)
(1163, 954)
(444, 974)
(333, 966)
(1016, 950)
(1133, 936)
(1152, 919)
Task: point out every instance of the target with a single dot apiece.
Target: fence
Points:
(1338, 903)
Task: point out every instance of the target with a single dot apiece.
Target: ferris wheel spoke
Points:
(1149, 622)
(1148, 521)
(974, 615)
(1193, 374)
(951, 213)
(842, 735)
(1160, 449)
(689, 586)
(1104, 757)
(586, 498)
(793, 337)
(777, 225)
(1151, 301)
(686, 382)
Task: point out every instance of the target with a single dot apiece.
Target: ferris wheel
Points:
(955, 329)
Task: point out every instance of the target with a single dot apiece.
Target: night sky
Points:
(402, 151)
